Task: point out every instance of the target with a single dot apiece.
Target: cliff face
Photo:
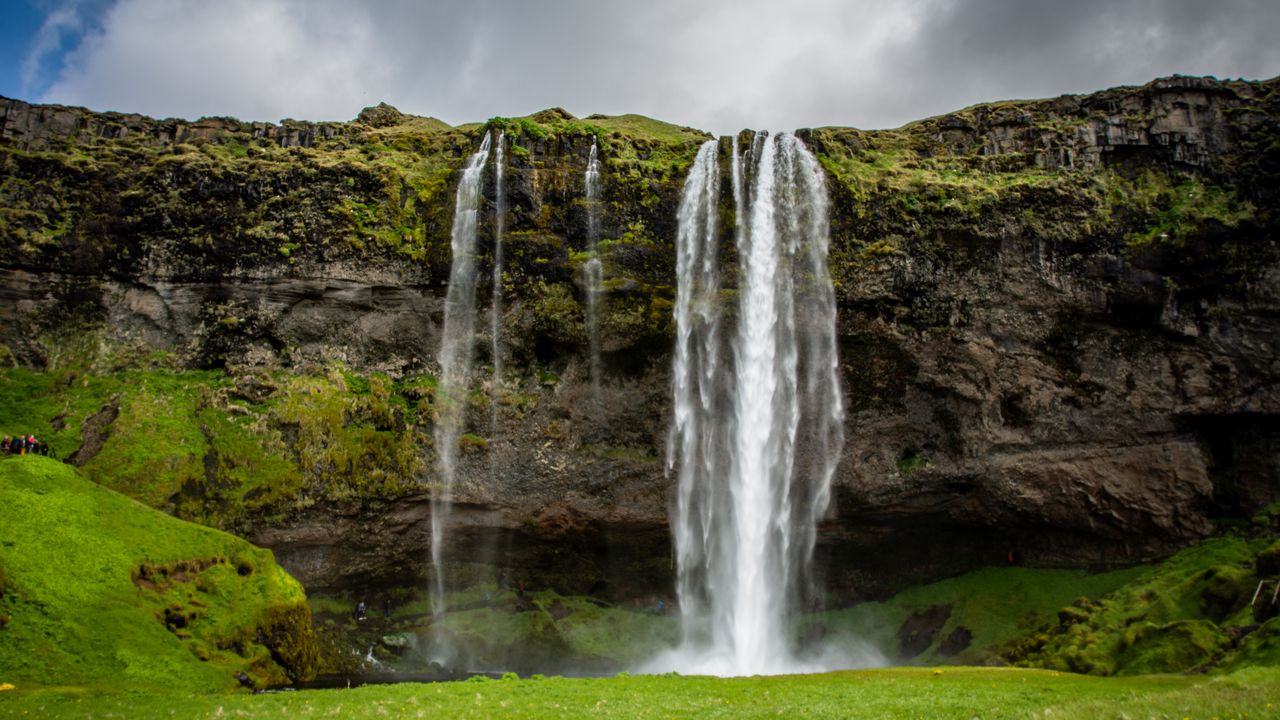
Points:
(1057, 323)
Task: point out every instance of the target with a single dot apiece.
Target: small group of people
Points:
(361, 611)
(23, 445)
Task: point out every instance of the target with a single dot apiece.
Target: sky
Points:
(718, 66)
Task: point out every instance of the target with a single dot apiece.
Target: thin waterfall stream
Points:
(593, 269)
(495, 307)
(457, 342)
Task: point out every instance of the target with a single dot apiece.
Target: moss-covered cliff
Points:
(1057, 323)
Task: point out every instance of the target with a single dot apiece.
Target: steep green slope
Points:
(1191, 612)
(101, 590)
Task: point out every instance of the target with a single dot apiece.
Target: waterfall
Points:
(695, 442)
(757, 417)
(458, 340)
(499, 226)
(593, 270)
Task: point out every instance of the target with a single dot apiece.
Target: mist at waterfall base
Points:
(757, 414)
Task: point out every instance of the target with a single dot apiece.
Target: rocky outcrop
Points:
(1178, 119)
(1058, 319)
(45, 127)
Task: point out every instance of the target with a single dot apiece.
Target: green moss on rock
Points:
(215, 448)
(1178, 615)
(1260, 647)
(1267, 563)
(1180, 645)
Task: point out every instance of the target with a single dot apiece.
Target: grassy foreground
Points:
(890, 693)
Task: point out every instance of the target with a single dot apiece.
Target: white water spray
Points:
(756, 431)
(458, 339)
(593, 269)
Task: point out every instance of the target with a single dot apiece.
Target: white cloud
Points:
(63, 20)
(720, 66)
(243, 57)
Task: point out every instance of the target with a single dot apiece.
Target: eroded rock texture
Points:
(1058, 320)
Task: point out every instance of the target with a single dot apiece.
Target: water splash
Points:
(756, 431)
(458, 340)
(593, 270)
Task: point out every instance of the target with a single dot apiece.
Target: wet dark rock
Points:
(919, 630)
(94, 433)
(956, 641)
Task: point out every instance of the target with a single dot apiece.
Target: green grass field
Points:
(960, 693)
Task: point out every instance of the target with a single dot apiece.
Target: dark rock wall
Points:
(1058, 318)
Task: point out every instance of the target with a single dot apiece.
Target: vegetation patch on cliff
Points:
(216, 448)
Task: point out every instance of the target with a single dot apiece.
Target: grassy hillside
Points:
(1191, 612)
(100, 590)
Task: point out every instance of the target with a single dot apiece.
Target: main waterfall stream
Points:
(757, 426)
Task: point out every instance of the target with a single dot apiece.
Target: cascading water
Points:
(593, 270)
(458, 339)
(495, 308)
(695, 445)
(756, 431)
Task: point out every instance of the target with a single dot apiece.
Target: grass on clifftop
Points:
(102, 591)
(952, 693)
(631, 145)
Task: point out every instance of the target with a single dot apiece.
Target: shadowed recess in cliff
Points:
(757, 421)
(455, 358)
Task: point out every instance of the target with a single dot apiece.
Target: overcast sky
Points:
(719, 66)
